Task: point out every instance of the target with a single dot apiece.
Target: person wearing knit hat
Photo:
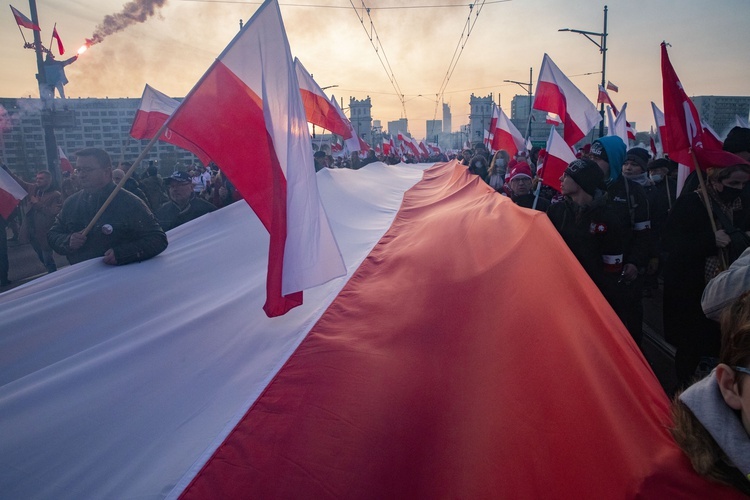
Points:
(519, 180)
(589, 226)
(738, 142)
(629, 201)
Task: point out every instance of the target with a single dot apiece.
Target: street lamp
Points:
(602, 44)
(528, 89)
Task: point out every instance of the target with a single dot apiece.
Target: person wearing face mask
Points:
(697, 252)
(498, 168)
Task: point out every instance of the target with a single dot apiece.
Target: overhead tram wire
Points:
(397, 7)
(465, 33)
(378, 48)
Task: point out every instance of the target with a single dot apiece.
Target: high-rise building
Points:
(433, 128)
(447, 123)
(82, 123)
(479, 119)
(720, 112)
(360, 114)
(396, 126)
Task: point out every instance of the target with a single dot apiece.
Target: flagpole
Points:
(707, 200)
(127, 175)
(52, 37)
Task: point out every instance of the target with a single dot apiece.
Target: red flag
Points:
(603, 98)
(611, 86)
(11, 194)
(660, 126)
(363, 146)
(246, 115)
(711, 138)
(555, 93)
(65, 165)
(683, 128)
(56, 36)
(352, 142)
(318, 107)
(154, 110)
(506, 136)
(386, 146)
(24, 21)
(552, 119)
(558, 157)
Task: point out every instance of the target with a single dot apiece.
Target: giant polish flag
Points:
(155, 108)
(555, 93)
(11, 194)
(559, 156)
(318, 108)
(396, 381)
(506, 136)
(246, 114)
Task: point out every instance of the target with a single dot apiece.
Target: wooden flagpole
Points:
(709, 208)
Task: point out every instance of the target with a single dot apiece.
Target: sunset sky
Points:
(171, 50)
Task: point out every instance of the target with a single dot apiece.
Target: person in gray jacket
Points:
(726, 287)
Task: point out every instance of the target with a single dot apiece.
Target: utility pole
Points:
(48, 112)
(529, 88)
(602, 44)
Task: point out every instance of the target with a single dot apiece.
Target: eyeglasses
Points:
(740, 369)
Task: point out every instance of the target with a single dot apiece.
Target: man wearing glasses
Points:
(126, 232)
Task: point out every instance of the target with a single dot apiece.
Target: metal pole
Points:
(50, 143)
(604, 70)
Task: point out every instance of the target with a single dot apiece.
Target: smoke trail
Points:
(136, 11)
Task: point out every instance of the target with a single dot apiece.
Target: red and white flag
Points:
(386, 146)
(424, 149)
(246, 115)
(559, 156)
(318, 107)
(552, 119)
(11, 194)
(154, 110)
(56, 36)
(363, 146)
(24, 21)
(65, 164)
(555, 93)
(660, 125)
(353, 142)
(619, 126)
(603, 98)
(683, 128)
(611, 86)
(359, 393)
(506, 136)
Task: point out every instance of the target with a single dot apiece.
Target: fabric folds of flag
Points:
(24, 21)
(603, 98)
(65, 164)
(11, 194)
(318, 108)
(246, 114)
(56, 36)
(506, 136)
(352, 143)
(611, 86)
(555, 93)
(558, 157)
(683, 130)
(153, 112)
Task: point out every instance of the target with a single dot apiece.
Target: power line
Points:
(398, 7)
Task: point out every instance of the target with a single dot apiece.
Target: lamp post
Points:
(528, 89)
(602, 44)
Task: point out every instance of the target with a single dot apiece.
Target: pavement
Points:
(25, 266)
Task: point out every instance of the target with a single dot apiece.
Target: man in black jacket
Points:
(126, 232)
(183, 205)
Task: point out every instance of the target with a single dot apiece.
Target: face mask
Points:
(500, 162)
(656, 178)
(729, 194)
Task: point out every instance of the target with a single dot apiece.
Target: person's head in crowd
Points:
(370, 154)
(728, 182)
(660, 168)
(609, 153)
(94, 167)
(180, 187)
(712, 416)
(320, 159)
(117, 175)
(151, 171)
(519, 179)
(581, 180)
(738, 142)
(43, 180)
(636, 164)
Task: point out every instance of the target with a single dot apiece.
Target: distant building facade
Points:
(361, 117)
(396, 126)
(101, 123)
(720, 112)
(447, 122)
(433, 128)
(479, 119)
